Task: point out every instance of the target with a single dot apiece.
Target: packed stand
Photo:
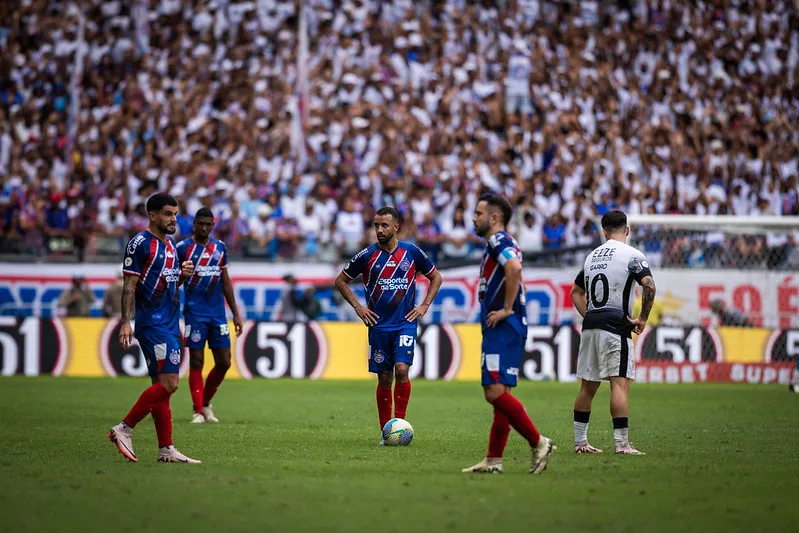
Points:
(570, 109)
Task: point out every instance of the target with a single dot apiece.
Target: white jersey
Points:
(607, 277)
(518, 77)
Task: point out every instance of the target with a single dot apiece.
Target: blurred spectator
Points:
(289, 238)
(530, 235)
(350, 226)
(554, 232)
(288, 306)
(76, 300)
(430, 237)
(112, 299)
(235, 230)
(295, 304)
(458, 239)
(729, 316)
(310, 224)
(262, 228)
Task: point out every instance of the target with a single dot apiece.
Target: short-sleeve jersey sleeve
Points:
(135, 256)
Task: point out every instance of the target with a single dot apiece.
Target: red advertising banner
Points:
(712, 372)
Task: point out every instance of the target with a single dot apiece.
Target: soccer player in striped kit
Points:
(153, 276)
(204, 312)
(503, 316)
(389, 268)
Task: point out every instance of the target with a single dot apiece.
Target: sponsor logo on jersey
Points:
(137, 240)
(391, 264)
(172, 275)
(205, 271)
(394, 284)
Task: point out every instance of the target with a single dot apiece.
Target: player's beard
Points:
(384, 239)
(481, 229)
(169, 230)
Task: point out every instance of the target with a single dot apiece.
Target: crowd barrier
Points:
(89, 347)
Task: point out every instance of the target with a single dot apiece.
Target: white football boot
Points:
(122, 437)
(171, 455)
(208, 413)
(489, 465)
(198, 418)
(541, 454)
(627, 449)
(585, 448)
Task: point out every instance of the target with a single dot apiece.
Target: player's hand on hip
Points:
(237, 325)
(417, 312)
(638, 325)
(368, 316)
(187, 269)
(495, 317)
(126, 335)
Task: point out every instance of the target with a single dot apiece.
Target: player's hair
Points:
(160, 200)
(204, 212)
(501, 203)
(614, 220)
(388, 210)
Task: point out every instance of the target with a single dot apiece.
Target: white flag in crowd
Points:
(300, 100)
(74, 88)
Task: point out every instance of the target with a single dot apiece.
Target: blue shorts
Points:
(200, 329)
(501, 357)
(386, 348)
(161, 351)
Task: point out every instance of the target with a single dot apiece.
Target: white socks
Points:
(620, 428)
(581, 427)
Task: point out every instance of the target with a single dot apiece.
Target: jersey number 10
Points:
(599, 299)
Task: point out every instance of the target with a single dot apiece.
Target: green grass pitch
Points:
(302, 456)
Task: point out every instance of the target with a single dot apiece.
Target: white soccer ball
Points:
(397, 432)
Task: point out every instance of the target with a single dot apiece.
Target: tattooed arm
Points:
(128, 298)
(647, 299)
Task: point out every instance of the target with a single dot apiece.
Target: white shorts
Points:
(518, 102)
(604, 355)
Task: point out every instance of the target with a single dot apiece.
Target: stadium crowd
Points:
(568, 108)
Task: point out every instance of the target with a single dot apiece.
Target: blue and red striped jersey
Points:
(501, 247)
(156, 264)
(390, 281)
(204, 289)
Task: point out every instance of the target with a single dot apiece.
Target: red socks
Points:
(500, 430)
(200, 395)
(517, 416)
(196, 389)
(162, 416)
(212, 382)
(402, 394)
(383, 396)
(151, 397)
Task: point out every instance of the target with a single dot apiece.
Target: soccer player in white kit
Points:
(603, 295)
